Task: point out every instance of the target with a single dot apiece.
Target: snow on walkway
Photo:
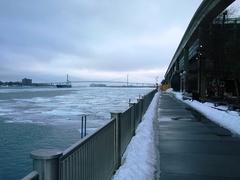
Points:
(140, 159)
(221, 116)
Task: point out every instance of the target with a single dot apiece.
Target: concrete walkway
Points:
(193, 148)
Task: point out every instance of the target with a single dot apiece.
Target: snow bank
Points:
(169, 90)
(140, 158)
(227, 119)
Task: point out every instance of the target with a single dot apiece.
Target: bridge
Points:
(117, 83)
(205, 63)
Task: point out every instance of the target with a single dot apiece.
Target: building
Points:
(212, 67)
(206, 64)
(26, 82)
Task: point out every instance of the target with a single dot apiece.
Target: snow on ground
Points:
(220, 115)
(140, 159)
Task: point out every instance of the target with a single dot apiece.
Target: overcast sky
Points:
(90, 39)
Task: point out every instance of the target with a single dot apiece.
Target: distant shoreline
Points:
(32, 86)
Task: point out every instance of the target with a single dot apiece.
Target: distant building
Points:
(26, 82)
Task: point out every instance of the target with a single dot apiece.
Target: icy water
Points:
(49, 118)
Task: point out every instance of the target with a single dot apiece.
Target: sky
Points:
(90, 39)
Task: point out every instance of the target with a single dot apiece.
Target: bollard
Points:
(118, 157)
(46, 163)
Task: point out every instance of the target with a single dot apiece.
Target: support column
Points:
(203, 33)
(185, 72)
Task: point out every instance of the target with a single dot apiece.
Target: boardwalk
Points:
(193, 148)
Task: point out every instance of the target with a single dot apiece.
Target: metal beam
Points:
(207, 10)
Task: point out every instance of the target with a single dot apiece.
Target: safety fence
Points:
(96, 156)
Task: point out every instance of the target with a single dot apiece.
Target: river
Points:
(33, 118)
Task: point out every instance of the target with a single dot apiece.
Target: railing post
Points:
(118, 156)
(133, 117)
(46, 163)
(82, 128)
(140, 109)
(144, 104)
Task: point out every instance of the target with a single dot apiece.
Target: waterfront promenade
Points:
(192, 147)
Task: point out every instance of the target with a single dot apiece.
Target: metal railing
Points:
(92, 157)
(96, 156)
(32, 176)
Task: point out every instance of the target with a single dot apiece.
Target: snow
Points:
(169, 90)
(220, 115)
(140, 159)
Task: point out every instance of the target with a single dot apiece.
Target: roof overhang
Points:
(206, 11)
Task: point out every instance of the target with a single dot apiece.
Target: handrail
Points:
(31, 176)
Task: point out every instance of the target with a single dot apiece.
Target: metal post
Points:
(46, 163)
(85, 126)
(118, 139)
(133, 117)
(143, 104)
(140, 109)
(82, 128)
(141, 101)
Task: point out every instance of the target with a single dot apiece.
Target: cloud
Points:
(90, 39)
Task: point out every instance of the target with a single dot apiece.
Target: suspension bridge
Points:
(113, 82)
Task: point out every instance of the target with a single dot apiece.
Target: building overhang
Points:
(206, 11)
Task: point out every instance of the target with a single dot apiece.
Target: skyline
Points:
(90, 40)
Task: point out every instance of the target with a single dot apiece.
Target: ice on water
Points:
(53, 106)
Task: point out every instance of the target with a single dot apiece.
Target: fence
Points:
(97, 156)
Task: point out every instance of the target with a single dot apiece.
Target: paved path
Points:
(193, 148)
